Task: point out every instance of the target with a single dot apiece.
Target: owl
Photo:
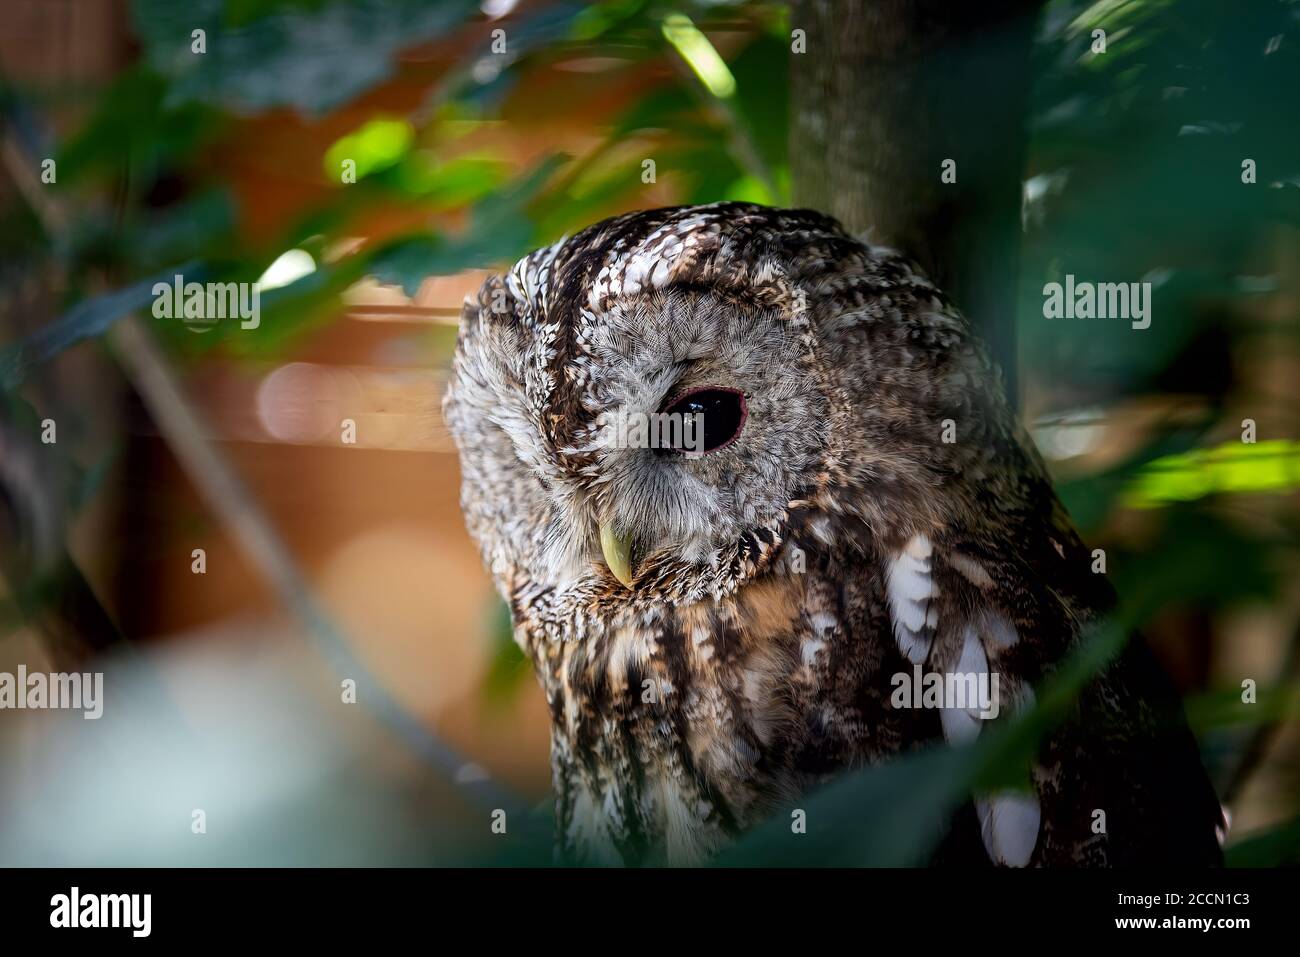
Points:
(740, 478)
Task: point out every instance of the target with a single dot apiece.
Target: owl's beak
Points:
(618, 553)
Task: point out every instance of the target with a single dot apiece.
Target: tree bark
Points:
(889, 90)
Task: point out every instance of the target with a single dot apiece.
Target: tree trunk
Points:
(887, 92)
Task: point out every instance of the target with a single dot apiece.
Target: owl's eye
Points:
(712, 418)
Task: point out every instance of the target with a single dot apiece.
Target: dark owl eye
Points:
(711, 418)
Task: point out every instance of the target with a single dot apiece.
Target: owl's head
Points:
(640, 408)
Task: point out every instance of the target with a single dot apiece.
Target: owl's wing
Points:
(1005, 595)
(949, 616)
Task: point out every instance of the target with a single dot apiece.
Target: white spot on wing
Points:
(1009, 826)
(919, 548)
(963, 724)
(1000, 633)
(911, 589)
(810, 648)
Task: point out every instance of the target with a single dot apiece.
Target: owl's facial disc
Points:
(697, 422)
(702, 421)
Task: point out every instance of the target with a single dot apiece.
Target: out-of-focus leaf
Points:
(763, 102)
(287, 312)
(1090, 499)
(499, 230)
(314, 57)
(132, 128)
(458, 182)
(599, 19)
(750, 189)
(1105, 358)
(1234, 467)
(1197, 559)
(1275, 848)
(197, 228)
(87, 319)
(662, 109)
(700, 55)
(1226, 709)
(1119, 126)
(380, 143)
(889, 816)
(603, 183)
(490, 76)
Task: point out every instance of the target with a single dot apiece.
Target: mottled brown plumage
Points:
(880, 508)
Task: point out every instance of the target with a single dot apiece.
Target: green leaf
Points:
(500, 229)
(1090, 499)
(1225, 709)
(133, 129)
(1233, 467)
